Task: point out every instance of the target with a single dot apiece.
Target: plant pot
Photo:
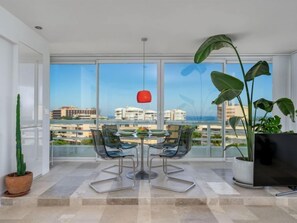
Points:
(18, 185)
(243, 171)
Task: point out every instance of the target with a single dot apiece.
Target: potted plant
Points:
(269, 125)
(231, 88)
(19, 182)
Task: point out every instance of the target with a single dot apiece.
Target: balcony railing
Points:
(72, 138)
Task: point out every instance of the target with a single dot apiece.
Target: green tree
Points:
(60, 142)
(216, 142)
(87, 142)
(197, 136)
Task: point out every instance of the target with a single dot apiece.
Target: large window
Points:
(118, 87)
(188, 93)
(86, 96)
(73, 109)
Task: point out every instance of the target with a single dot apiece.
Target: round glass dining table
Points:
(142, 174)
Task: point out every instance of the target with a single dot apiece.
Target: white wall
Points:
(6, 71)
(293, 83)
(281, 84)
(285, 84)
(12, 32)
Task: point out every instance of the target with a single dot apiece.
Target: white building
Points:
(132, 113)
(231, 110)
(175, 114)
(150, 115)
(129, 113)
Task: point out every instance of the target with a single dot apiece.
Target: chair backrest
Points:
(111, 140)
(185, 141)
(99, 144)
(173, 138)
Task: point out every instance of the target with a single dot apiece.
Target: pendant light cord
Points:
(143, 68)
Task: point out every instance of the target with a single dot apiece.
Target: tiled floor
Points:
(63, 195)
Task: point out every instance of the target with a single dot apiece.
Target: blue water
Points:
(201, 118)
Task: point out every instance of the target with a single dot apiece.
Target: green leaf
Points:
(236, 146)
(287, 107)
(269, 125)
(264, 104)
(230, 146)
(229, 86)
(276, 120)
(233, 121)
(224, 81)
(212, 43)
(226, 95)
(260, 68)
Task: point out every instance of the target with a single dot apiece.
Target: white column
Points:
(281, 85)
(293, 83)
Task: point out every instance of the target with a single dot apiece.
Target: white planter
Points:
(243, 171)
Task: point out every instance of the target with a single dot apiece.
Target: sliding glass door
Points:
(86, 96)
(188, 93)
(73, 109)
(118, 87)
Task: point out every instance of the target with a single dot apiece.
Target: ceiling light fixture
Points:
(144, 96)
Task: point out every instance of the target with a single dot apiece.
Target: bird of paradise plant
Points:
(231, 88)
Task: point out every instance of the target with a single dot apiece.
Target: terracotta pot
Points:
(18, 185)
(243, 171)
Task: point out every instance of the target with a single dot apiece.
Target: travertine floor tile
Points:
(222, 188)
(67, 184)
(239, 212)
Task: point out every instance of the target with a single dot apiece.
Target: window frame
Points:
(160, 61)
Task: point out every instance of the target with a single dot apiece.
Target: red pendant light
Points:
(144, 96)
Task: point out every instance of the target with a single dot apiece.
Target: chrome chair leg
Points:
(177, 168)
(136, 160)
(190, 183)
(148, 161)
(150, 169)
(93, 183)
(106, 170)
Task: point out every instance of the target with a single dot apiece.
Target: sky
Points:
(187, 86)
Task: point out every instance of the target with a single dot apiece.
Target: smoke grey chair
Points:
(100, 149)
(183, 147)
(114, 142)
(170, 142)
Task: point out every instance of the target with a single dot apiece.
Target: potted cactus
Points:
(19, 182)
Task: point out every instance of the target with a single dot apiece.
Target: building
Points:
(132, 113)
(73, 112)
(175, 114)
(150, 115)
(129, 113)
(231, 110)
(72, 132)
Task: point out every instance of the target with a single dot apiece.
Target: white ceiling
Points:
(172, 26)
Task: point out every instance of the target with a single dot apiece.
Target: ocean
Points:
(202, 118)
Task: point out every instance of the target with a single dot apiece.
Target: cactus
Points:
(21, 165)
